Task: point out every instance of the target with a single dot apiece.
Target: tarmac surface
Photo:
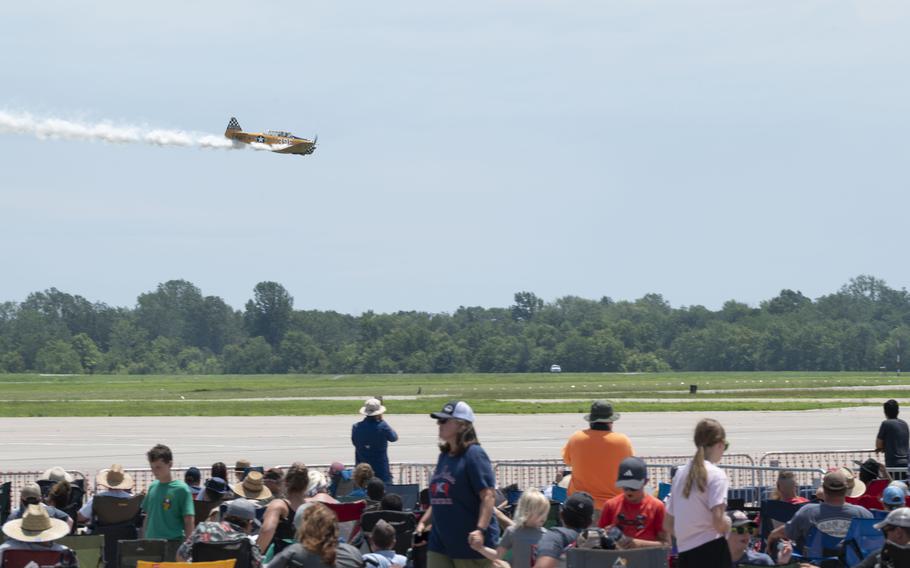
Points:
(90, 444)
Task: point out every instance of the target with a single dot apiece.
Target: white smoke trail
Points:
(55, 128)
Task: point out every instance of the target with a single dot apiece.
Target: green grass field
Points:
(239, 395)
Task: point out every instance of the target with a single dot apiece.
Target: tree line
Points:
(176, 329)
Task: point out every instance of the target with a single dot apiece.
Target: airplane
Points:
(281, 142)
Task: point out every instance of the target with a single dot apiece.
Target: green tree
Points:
(253, 356)
(89, 354)
(526, 305)
(300, 354)
(58, 356)
(269, 312)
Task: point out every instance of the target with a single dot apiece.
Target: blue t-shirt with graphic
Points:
(455, 496)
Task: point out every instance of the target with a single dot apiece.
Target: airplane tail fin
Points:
(233, 126)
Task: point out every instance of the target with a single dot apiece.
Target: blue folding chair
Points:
(821, 547)
(861, 540)
(663, 489)
(559, 494)
(772, 511)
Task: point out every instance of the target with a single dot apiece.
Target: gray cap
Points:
(241, 509)
(896, 518)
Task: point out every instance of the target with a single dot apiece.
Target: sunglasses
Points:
(441, 421)
(745, 529)
(726, 445)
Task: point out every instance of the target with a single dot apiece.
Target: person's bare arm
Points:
(879, 445)
(663, 539)
(668, 524)
(776, 535)
(425, 520)
(719, 519)
(189, 524)
(487, 504)
(503, 519)
(269, 524)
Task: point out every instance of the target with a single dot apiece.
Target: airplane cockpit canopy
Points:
(280, 133)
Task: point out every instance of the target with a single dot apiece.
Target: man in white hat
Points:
(896, 551)
(111, 482)
(371, 437)
(35, 530)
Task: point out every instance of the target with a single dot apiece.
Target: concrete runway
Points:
(89, 444)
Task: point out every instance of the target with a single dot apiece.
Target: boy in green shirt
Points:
(168, 505)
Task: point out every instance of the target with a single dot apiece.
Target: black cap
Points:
(217, 485)
(580, 503)
(632, 473)
(192, 474)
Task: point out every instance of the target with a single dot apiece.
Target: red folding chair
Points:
(348, 512)
(19, 558)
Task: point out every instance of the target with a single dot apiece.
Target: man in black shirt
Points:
(894, 439)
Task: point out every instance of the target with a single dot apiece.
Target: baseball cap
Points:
(738, 519)
(632, 473)
(240, 508)
(192, 473)
(455, 409)
(896, 518)
(30, 491)
(580, 503)
(835, 481)
(893, 496)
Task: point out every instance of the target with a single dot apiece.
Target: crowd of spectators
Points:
(291, 516)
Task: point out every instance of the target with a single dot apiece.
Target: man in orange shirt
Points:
(594, 454)
(639, 515)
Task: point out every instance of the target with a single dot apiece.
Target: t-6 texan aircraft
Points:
(279, 141)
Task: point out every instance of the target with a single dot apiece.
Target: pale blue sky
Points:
(704, 150)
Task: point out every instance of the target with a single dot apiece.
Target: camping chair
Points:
(553, 515)
(773, 514)
(559, 494)
(129, 552)
(239, 550)
(403, 522)
(600, 558)
(115, 519)
(76, 496)
(6, 490)
(20, 558)
(409, 493)
(861, 540)
(88, 548)
(215, 564)
(663, 489)
(876, 487)
(348, 513)
(822, 547)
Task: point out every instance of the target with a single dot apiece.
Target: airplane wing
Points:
(302, 148)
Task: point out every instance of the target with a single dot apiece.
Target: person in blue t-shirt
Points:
(371, 437)
(462, 494)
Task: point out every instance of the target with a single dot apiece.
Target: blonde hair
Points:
(707, 433)
(532, 505)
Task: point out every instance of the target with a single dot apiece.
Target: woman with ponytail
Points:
(698, 500)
